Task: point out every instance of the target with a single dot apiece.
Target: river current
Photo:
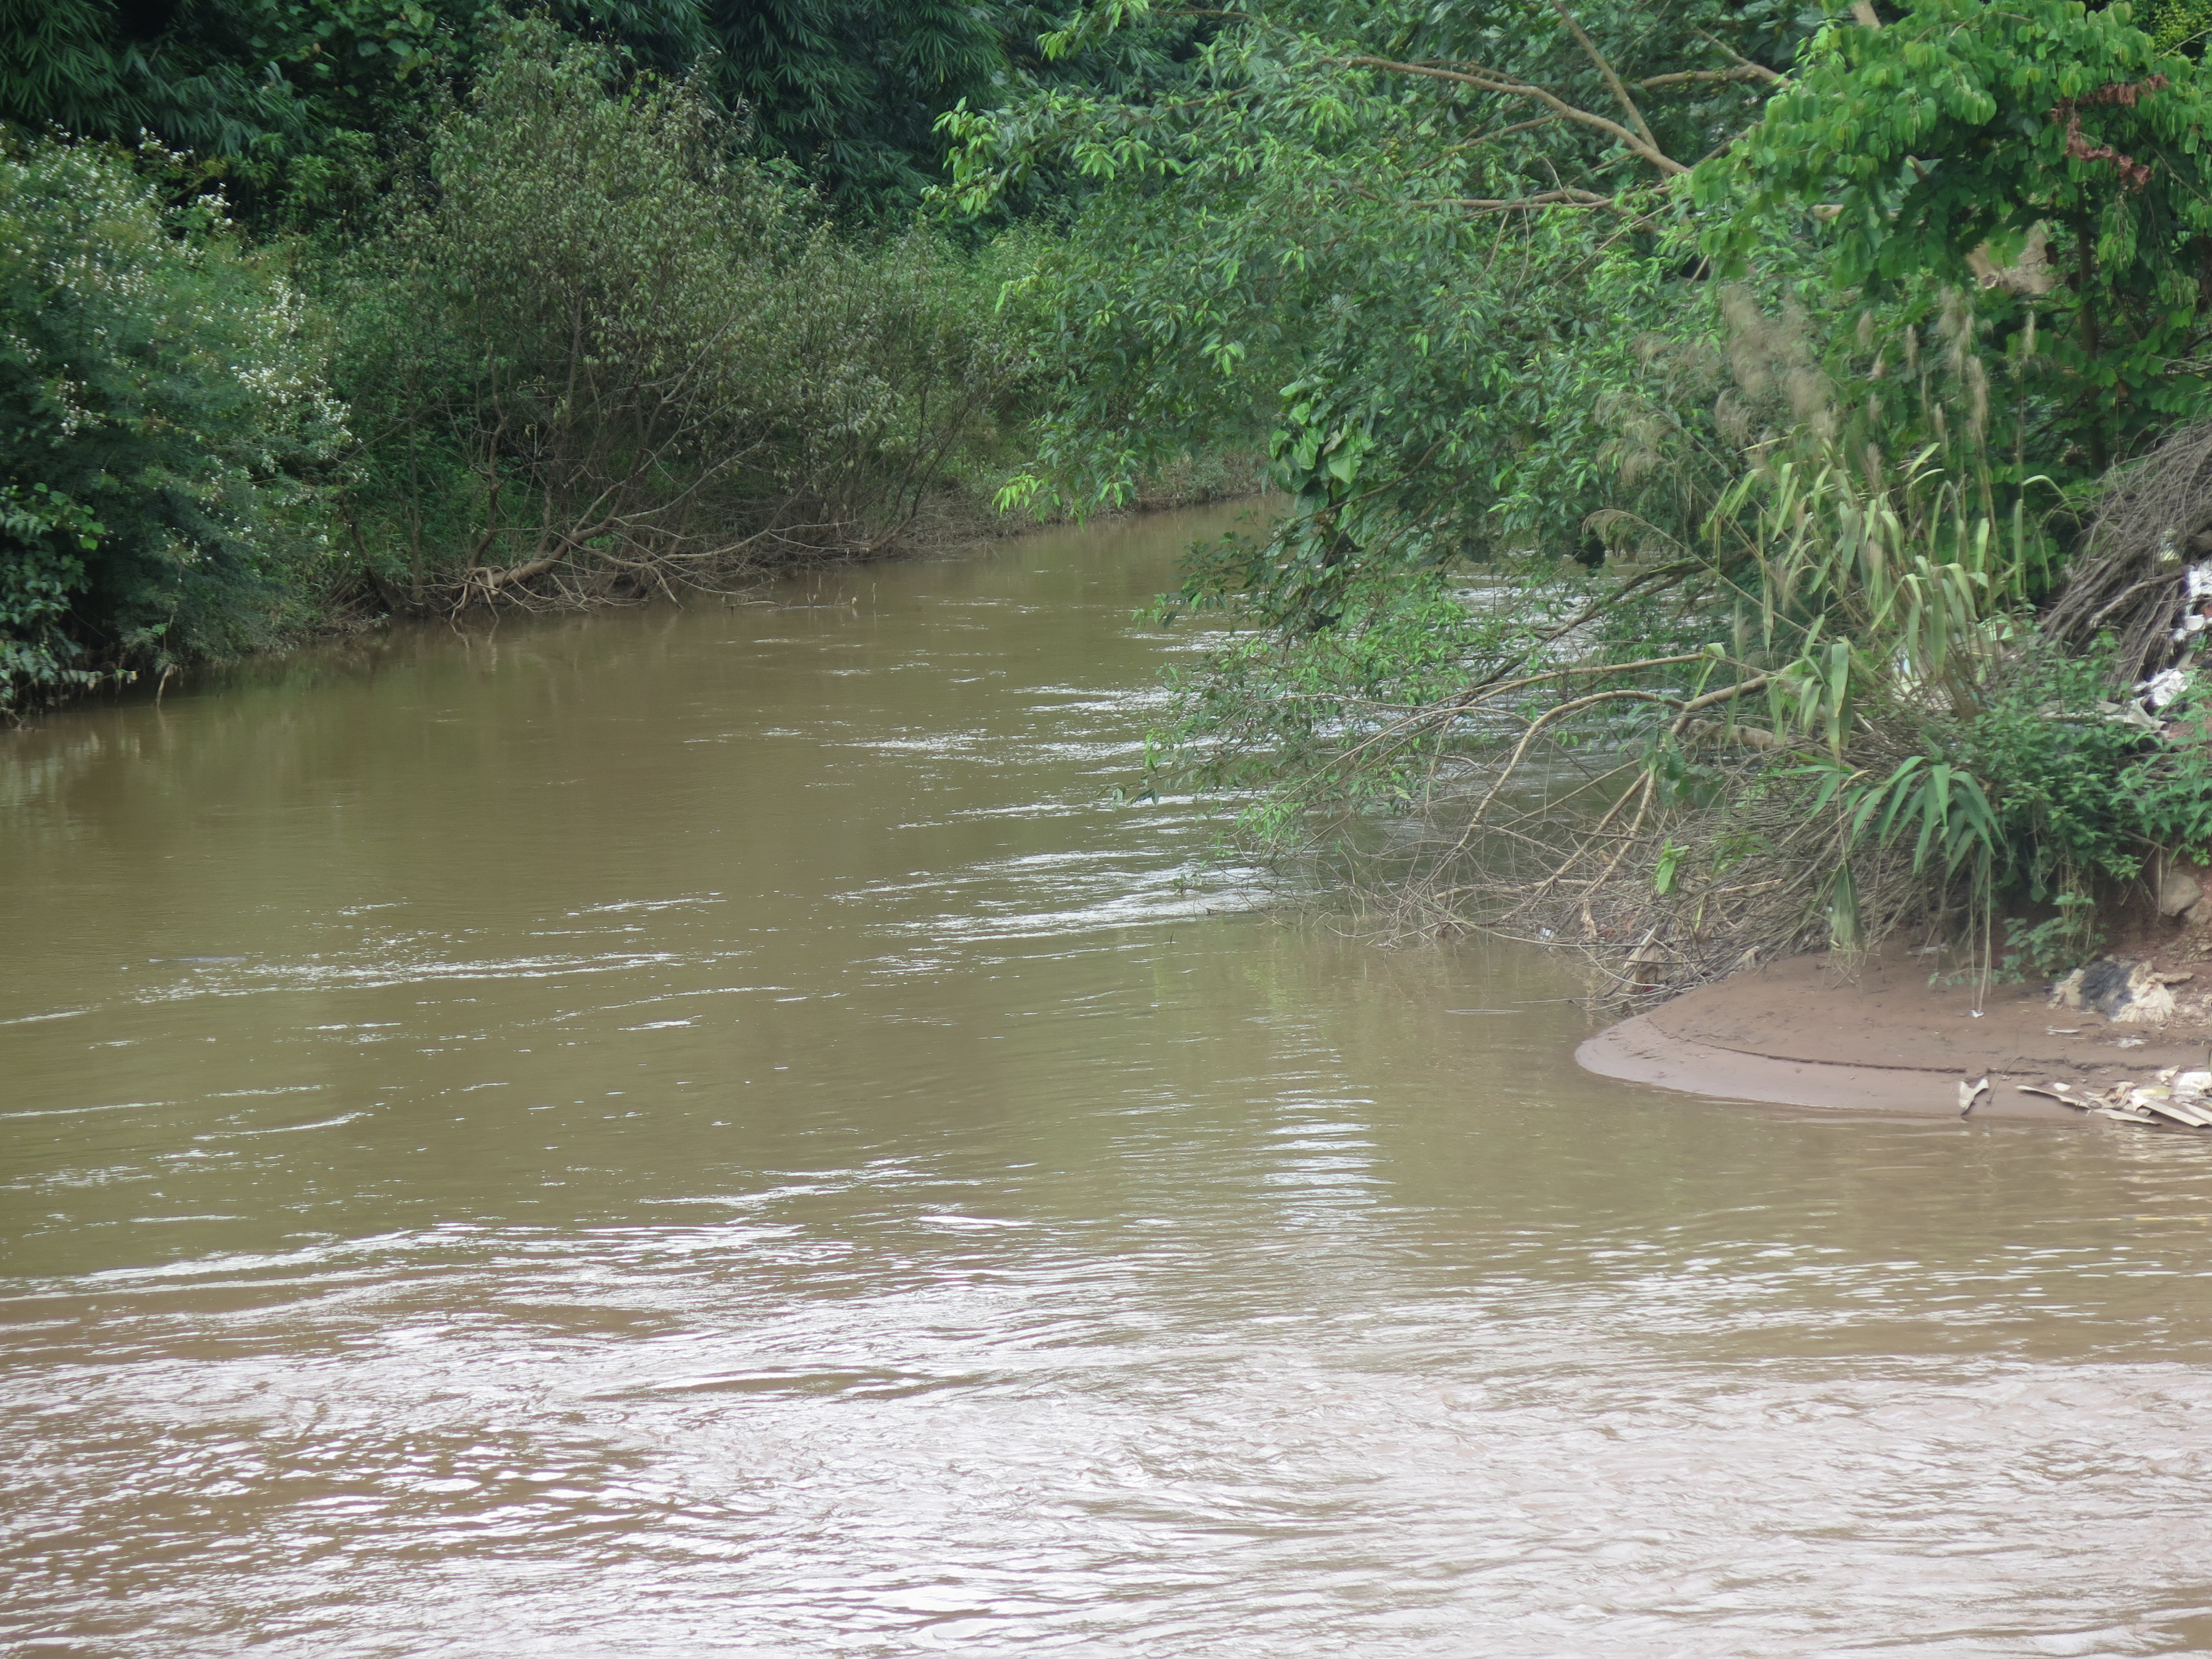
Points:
(711, 1133)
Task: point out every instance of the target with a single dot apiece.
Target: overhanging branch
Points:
(1485, 81)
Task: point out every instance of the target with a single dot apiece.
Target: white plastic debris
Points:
(2162, 688)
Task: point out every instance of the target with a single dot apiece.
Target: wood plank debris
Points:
(2172, 1098)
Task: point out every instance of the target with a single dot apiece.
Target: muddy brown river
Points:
(710, 1132)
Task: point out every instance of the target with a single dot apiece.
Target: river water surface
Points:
(709, 1134)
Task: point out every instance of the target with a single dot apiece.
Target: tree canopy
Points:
(295, 101)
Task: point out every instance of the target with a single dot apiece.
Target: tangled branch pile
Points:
(2144, 573)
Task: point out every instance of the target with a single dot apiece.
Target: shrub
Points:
(604, 352)
(163, 417)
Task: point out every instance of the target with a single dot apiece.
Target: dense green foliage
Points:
(410, 305)
(164, 425)
(2062, 136)
(307, 108)
(2083, 798)
(602, 348)
(1296, 238)
(1684, 412)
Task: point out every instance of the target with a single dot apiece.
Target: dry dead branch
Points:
(2147, 563)
(1656, 897)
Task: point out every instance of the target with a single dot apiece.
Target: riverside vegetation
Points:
(1748, 491)
(1747, 472)
(317, 312)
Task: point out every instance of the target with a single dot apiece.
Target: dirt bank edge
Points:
(1636, 1051)
(1878, 1036)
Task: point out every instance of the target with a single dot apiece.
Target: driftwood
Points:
(2172, 1096)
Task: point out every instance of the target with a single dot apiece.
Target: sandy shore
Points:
(1806, 1032)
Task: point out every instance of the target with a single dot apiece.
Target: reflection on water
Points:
(707, 1134)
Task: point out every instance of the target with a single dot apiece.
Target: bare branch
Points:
(1758, 71)
(1693, 77)
(1487, 83)
(1561, 198)
(1504, 132)
(1612, 81)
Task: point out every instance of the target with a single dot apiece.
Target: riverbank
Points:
(1812, 1031)
(952, 519)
